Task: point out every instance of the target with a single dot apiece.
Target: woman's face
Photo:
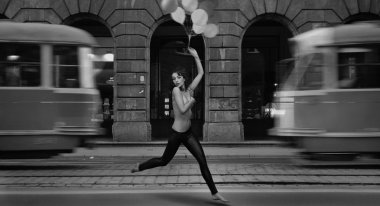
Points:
(178, 80)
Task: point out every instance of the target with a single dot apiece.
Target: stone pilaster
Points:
(223, 132)
(222, 108)
(131, 131)
(131, 119)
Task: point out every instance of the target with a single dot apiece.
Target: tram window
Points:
(19, 65)
(66, 66)
(309, 72)
(359, 67)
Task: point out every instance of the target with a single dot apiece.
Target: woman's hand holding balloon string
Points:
(193, 53)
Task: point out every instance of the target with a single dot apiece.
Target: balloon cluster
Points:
(193, 15)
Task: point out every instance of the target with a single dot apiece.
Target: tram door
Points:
(169, 55)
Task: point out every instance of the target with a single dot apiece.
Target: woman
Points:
(183, 101)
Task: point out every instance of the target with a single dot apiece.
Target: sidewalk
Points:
(107, 165)
(213, 150)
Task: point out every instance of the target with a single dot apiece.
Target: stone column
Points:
(222, 97)
(132, 75)
(131, 91)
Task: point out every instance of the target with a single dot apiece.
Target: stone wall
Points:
(132, 23)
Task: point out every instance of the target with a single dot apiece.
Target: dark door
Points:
(264, 44)
(258, 80)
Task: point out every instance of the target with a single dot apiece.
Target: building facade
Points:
(240, 62)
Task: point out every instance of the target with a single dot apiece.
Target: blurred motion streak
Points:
(328, 97)
(48, 99)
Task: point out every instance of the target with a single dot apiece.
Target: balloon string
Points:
(188, 29)
(188, 43)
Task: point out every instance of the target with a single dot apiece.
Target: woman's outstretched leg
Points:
(170, 150)
(195, 148)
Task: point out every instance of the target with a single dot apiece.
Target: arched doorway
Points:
(361, 17)
(103, 62)
(264, 44)
(166, 53)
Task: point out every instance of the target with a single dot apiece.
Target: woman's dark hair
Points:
(181, 71)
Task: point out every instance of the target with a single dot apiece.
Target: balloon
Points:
(190, 5)
(169, 5)
(199, 17)
(198, 29)
(211, 30)
(178, 15)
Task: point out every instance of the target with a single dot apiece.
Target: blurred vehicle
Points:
(104, 78)
(48, 99)
(329, 99)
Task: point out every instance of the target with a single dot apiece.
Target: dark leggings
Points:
(195, 148)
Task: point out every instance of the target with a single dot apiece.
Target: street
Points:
(105, 180)
(114, 172)
(241, 197)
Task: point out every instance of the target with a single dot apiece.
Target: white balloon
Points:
(199, 17)
(178, 15)
(211, 30)
(190, 5)
(198, 29)
(169, 5)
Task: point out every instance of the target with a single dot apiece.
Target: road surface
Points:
(197, 197)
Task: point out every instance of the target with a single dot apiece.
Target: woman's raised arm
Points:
(199, 76)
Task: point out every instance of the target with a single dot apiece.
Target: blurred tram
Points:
(48, 100)
(329, 99)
